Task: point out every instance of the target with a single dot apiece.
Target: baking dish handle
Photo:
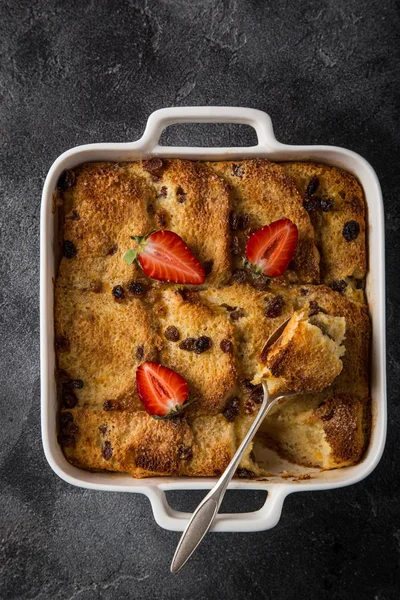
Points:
(160, 119)
(260, 520)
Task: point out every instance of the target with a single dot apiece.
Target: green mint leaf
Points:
(130, 256)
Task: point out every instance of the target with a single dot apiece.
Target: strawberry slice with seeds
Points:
(163, 255)
(161, 390)
(271, 248)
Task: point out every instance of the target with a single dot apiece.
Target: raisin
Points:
(207, 266)
(312, 186)
(96, 286)
(249, 407)
(152, 165)
(140, 352)
(75, 216)
(62, 344)
(171, 333)
(188, 344)
(351, 229)
(69, 250)
(66, 419)
(274, 307)
(103, 429)
(246, 384)
(238, 170)
(304, 291)
(76, 384)
(226, 346)
(314, 308)
(112, 250)
(69, 399)
(227, 307)
(181, 195)
(63, 376)
(111, 405)
(66, 180)
(239, 276)
(202, 344)
(261, 283)
(162, 193)
(339, 286)
(161, 219)
(73, 429)
(233, 220)
(118, 292)
(245, 473)
(136, 288)
(107, 450)
(243, 222)
(237, 314)
(313, 203)
(232, 410)
(257, 395)
(235, 247)
(66, 440)
(185, 452)
(326, 204)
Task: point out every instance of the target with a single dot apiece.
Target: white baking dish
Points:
(268, 147)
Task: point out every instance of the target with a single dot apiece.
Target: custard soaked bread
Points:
(307, 356)
(112, 318)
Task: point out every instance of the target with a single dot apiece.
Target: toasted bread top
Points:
(101, 338)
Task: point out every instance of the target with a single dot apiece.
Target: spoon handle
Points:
(207, 510)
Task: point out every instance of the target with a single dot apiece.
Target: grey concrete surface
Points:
(76, 72)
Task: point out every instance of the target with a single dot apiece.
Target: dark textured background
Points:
(76, 72)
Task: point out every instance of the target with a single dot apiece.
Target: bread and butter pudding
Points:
(127, 336)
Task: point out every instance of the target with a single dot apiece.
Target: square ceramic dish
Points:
(267, 147)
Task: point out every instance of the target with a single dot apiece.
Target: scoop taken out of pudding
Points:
(307, 356)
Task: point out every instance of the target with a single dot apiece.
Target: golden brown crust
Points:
(339, 258)
(265, 193)
(342, 422)
(194, 203)
(102, 341)
(106, 341)
(304, 358)
(101, 211)
(211, 375)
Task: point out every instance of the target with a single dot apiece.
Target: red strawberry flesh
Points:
(165, 256)
(272, 247)
(162, 391)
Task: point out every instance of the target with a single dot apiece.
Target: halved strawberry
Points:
(163, 255)
(161, 390)
(272, 247)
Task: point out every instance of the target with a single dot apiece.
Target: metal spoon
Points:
(208, 508)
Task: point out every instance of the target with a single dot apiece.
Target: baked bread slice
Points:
(194, 202)
(339, 226)
(101, 342)
(135, 443)
(102, 208)
(307, 356)
(197, 354)
(261, 192)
